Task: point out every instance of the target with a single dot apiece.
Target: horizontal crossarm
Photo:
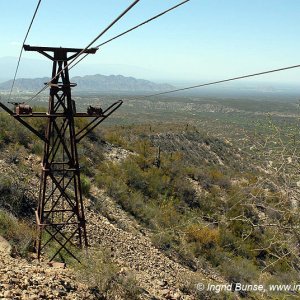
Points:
(20, 120)
(96, 121)
(44, 50)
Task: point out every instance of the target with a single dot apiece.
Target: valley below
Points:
(179, 191)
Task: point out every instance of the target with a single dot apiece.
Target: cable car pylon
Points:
(60, 217)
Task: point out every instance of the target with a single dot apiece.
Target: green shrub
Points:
(158, 182)
(15, 197)
(97, 270)
(85, 185)
(134, 203)
(239, 270)
(163, 240)
(134, 176)
(116, 139)
(19, 233)
(37, 147)
(167, 215)
(128, 287)
(185, 192)
(206, 236)
(105, 278)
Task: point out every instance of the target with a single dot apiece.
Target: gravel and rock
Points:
(159, 276)
(131, 248)
(21, 279)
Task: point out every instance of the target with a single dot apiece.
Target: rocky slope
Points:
(131, 248)
(109, 227)
(21, 279)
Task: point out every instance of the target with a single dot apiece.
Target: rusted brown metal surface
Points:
(94, 110)
(60, 214)
(23, 109)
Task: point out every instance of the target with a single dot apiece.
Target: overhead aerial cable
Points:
(21, 51)
(225, 80)
(88, 46)
(135, 27)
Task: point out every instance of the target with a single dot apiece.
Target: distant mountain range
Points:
(93, 83)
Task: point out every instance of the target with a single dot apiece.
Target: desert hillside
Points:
(167, 207)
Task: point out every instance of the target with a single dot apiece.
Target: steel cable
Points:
(135, 27)
(20, 55)
(89, 45)
(224, 80)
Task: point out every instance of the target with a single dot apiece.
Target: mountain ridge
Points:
(95, 83)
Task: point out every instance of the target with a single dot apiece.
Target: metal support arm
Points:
(20, 120)
(96, 121)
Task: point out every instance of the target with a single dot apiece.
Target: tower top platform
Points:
(57, 49)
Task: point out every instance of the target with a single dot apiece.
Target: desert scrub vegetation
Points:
(162, 198)
(19, 233)
(208, 204)
(15, 196)
(105, 279)
(85, 185)
(238, 221)
(14, 133)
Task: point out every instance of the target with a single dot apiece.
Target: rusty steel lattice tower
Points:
(60, 198)
(60, 213)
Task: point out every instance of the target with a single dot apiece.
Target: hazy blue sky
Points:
(201, 40)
